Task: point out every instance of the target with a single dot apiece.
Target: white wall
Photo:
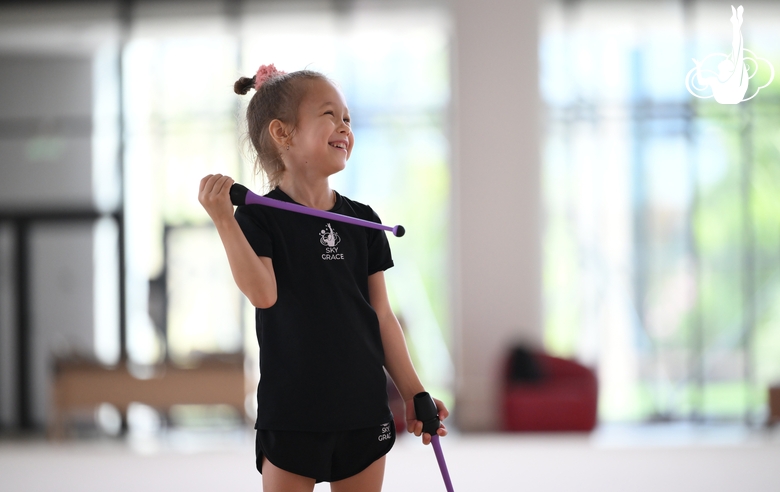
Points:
(496, 197)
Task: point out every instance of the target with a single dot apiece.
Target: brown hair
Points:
(277, 98)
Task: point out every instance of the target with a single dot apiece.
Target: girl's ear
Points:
(279, 132)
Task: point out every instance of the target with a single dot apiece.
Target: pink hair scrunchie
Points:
(266, 72)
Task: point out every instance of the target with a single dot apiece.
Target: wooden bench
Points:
(81, 384)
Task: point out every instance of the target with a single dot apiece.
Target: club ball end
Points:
(399, 231)
(238, 194)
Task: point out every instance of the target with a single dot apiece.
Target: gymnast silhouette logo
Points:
(329, 237)
(729, 84)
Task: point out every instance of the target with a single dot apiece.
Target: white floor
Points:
(664, 458)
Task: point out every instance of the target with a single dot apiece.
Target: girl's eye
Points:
(346, 120)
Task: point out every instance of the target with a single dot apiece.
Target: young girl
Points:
(324, 322)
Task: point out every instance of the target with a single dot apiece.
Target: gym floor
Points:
(658, 457)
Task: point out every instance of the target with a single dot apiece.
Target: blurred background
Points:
(565, 197)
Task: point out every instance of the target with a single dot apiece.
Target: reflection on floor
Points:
(662, 457)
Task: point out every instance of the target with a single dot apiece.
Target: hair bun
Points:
(243, 85)
(266, 72)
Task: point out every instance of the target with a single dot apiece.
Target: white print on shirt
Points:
(385, 434)
(330, 239)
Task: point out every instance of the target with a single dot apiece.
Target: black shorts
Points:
(324, 456)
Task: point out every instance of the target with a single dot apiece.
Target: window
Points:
(661, 240)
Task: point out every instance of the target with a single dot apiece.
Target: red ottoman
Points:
(561, 395)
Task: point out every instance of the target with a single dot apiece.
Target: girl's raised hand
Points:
(415, 426)
(214, 195)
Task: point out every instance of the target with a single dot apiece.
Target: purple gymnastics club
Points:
(240, 195)
(425, 411)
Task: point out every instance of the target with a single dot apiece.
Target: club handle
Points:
(425, 410)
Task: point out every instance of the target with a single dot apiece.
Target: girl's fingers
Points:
(415, 426)
(223, 185)
(442, 431)
(207, 184)
(214, 184)
(212, 181)
(443, 412)
(418, 426)
(214, 195)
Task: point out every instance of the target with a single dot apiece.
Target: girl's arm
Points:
(254, 275)
(397, 360)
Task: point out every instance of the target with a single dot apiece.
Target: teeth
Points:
(339, 145)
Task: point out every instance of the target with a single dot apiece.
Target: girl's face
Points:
(323, 140)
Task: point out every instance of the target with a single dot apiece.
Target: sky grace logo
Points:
(726, 77)
(330, 239)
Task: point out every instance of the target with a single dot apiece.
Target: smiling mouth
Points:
(339, 145)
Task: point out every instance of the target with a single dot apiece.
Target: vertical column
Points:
(8, 331)
(24, 417)
(497, 298)
(748, 261)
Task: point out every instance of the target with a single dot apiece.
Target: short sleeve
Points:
(380, 257)
(255, 230)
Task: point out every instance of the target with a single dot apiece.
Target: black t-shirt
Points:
(321, 355)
